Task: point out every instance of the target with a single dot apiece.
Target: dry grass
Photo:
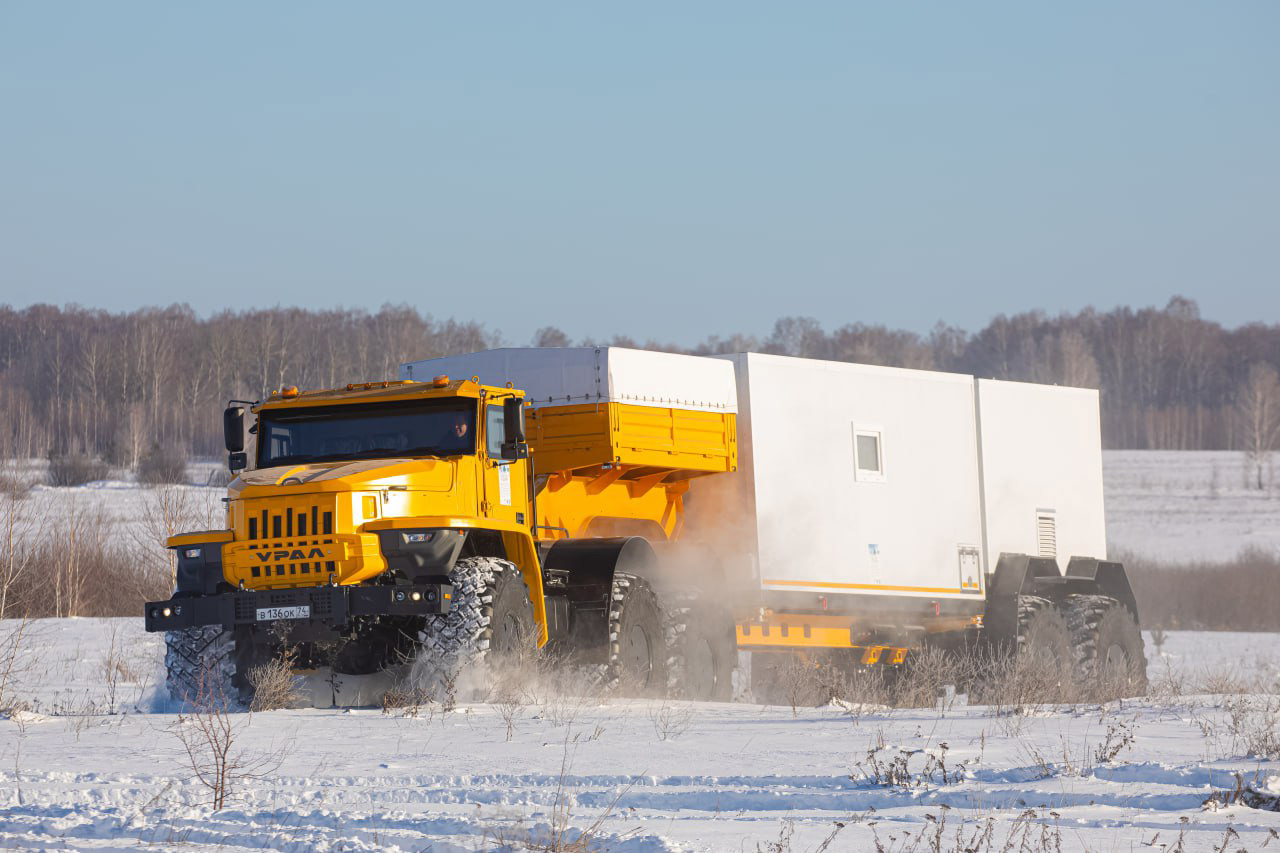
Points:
(14, 485)
(561, 835)
(1238, 595)
(117, 668)
(69, 559)
(670, 721)
(275, 686)
(15, 661)
(1030, 832)
(210, 734)
(1014, 686)
(76, 469)
(405, 700)
(162, 466)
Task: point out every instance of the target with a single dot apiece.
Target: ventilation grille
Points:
(288, 538)
(293, 521)
(1046, 535)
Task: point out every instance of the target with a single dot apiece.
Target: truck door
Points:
(506, 488)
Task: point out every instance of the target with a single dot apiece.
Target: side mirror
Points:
(233, 429)
(237, 461)
(513, 427)
(513, 417)
(512, 451)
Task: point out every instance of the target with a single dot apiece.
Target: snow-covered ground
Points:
(96, 765)
(118, 511)
(1181, 506)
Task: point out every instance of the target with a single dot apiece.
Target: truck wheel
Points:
(200, 666)
(489, 627)
(637, 646)
(1045, 662)
(1108, 646)
(1043, 631)
(702, 651)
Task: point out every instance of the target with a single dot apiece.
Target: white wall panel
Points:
(818, 527)
(1041, 455)
(564, 375)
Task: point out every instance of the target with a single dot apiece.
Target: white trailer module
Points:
(1041, 457)
(857, 479)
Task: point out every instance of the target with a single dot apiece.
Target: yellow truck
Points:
(429, 521)
(656, 516)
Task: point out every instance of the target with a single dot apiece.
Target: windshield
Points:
(332, 433)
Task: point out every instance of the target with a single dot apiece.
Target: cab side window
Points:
(495, 431)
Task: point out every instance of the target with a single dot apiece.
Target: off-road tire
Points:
(1043, 630)
(200, 666)
(489, 626)
(637, 663)
(1108, 646)
(702, 651)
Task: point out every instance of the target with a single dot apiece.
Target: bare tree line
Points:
(75, 380)
(113, 385)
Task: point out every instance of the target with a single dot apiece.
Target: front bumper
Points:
(332, 606)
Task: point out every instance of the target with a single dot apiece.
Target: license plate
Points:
(270, 614)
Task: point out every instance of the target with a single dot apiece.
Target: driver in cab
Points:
(458, 437)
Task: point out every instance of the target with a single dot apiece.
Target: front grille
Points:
(287, 541)
(289, 521)
(299, 541)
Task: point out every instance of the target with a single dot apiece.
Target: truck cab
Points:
(345, 522)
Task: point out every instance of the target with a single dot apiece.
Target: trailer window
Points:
(868, 459)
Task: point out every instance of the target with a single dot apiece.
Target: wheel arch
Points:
(1021, 575)
(524, 554)
(584, 570)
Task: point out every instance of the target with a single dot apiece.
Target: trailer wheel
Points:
(1043, 631)
(701, 650)
(1108, 646)
(637, 647)
(489, 628)
(200, 666)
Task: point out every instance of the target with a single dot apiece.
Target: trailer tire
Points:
(1108, 646)
(200, 666)
(702, 652)
(637, 646)
(489, 628)
(1043, 631)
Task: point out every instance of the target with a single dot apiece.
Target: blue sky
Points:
(664, 170)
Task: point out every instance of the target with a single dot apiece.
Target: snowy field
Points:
(96, 765)
(1180, 506)
(1170, 506)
